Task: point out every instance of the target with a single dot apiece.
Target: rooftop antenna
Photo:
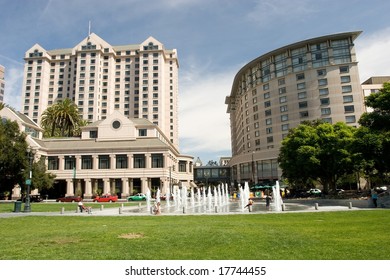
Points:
(89, 29)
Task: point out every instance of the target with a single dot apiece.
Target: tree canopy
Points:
(317, 152)
(379, 118)
(372, 140)
(321, 152)
(13, 160)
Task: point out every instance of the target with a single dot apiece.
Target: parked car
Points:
(314, 191)
(138, 196)
(106, 198)
(69, 199)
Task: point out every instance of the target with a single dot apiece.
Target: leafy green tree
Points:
(379, 118)
(41, 179)
(317, 152)
(61, 120)
(2, 105)
(372, 139)
(13, 159)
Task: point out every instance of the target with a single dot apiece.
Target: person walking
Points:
(249, 205)
(374, 196)
(267, 201)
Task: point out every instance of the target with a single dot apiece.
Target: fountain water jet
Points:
(277, 199)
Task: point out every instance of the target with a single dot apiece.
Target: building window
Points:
(302, 104)
(323, 91)
(86, 162)
(324, 101)
(325, 111)
(52, 163)
(142, 132)
(281, 82)
(182, 166)
(268, 121)
(93, 134)
(327, 120)
(283, 108)
(285, 127)
(322, 82)
(345, 79)
(321, 72)
(139, 161)
(345, 89)
(304, 114)
(70, 162)
(349, 109)
(284, 118)
(268, 130)
(104, 162)
(344, 69)
(300, 76)
(283, 99)
(301, 86)
(302, 95)
(347, 98)
(158, 161)
(350, 119)
(121, 161)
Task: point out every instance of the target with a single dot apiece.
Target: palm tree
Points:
(1, 105)
(49, 122)
(67, 116)
(61, 119)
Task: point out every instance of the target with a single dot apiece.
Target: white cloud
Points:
(373, 54)
(13, 86)
(204, 124)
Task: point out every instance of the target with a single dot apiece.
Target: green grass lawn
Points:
(8, 207)
(349, 235)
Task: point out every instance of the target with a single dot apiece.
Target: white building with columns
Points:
(116, 155)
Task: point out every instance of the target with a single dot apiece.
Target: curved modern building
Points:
(312, 79)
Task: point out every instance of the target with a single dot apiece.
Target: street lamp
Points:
(253, 170)
(27, 205)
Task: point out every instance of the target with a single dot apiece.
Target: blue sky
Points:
(214, 39)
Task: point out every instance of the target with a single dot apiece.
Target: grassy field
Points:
(344, 235)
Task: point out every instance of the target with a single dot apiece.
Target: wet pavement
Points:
(234, 207)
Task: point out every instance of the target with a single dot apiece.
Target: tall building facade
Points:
(308, 80)
(2, 83)
(139, 80)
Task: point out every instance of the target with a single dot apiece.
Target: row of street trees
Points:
(328, 154)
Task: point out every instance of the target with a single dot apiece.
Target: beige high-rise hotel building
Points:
(308, 80)
(139, 80)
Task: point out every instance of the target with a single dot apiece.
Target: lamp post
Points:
(27, 205)
(253, 170)
(170, 181)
